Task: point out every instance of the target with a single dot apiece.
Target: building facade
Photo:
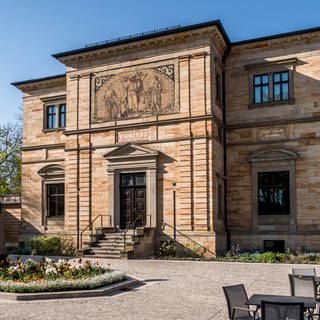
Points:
(179, 134)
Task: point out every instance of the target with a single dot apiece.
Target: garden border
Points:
(129, 282)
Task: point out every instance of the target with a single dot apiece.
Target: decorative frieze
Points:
(141, 91)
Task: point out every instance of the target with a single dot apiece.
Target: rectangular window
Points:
(271, 87)
(55, 116)
(55, 199)
(281, 86)
(51, 117)
(274, 245)
(62, 115)
(273, 192)
(261, 88)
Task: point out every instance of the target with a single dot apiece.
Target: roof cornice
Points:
(276, 36)
(38, 83)
(143, 39)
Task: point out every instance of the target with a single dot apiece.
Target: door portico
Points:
(131, 160)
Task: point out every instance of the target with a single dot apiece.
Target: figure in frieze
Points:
(111, 105)
(134, 86)
(156, 95)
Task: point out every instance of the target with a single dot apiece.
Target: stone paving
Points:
(170, 290)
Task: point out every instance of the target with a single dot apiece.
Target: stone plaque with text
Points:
(272, 133)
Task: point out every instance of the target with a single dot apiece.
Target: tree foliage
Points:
(10, 159)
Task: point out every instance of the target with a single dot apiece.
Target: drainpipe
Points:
(228, 236)
(78, 171)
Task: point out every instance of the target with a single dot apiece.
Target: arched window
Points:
(52, 191)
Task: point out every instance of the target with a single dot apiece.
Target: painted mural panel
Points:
(135, 93)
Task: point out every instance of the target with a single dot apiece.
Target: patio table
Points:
(255, 300)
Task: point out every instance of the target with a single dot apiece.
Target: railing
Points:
(189, 238)
(88, 226)
(131, 226)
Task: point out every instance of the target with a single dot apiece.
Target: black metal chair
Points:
(281, 311)
(236, 299)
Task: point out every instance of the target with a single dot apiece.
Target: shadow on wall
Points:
(244, 140)
(182, 247)
(163, 161)
(14, 231)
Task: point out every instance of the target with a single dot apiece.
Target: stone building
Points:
(179, 129)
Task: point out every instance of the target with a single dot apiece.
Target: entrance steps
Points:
(109, 243)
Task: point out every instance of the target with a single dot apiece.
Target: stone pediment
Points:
(52, 170)
(130, 150)
(272, 155)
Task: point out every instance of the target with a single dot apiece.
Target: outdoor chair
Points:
(303, 286)
(304, 271)
(236, 299)
(281, 311)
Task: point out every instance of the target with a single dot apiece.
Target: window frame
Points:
(51, 174)
(47, 186)
(273, 187)
(218, 88)
(60, 113)
(270, 160)
(57, 104)
(270, 68)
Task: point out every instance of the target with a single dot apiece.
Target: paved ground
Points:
(169, 290)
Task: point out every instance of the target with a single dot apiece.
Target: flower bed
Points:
(48, 275)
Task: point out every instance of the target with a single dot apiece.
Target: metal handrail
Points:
(133, 224)
(89, 225)
(189, 238)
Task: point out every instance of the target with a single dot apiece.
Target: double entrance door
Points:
(132, 199)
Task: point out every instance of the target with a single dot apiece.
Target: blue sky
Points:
(30, 31)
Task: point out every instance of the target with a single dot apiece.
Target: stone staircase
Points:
(109, 243)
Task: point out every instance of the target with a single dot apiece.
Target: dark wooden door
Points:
(126, 207)
(132, 199)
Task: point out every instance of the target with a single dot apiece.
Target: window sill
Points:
(270, 104)
(56, 217)
(53, 130)
(273, 214)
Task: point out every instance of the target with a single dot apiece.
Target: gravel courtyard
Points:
(169, 290)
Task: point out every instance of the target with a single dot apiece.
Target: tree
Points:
(10, 159)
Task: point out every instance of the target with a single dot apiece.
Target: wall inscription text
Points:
(272, 133)
(132, 136)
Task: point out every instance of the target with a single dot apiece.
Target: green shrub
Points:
(67, 244)
(45, 245)
(166, 249)
(271, 257)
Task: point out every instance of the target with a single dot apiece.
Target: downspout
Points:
(90, 151)
(78, 171)
(228, 236)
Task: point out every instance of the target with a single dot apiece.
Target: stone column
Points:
(111, 191)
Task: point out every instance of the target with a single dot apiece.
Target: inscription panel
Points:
(272, 133)
(134, 135)
(143, 91)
